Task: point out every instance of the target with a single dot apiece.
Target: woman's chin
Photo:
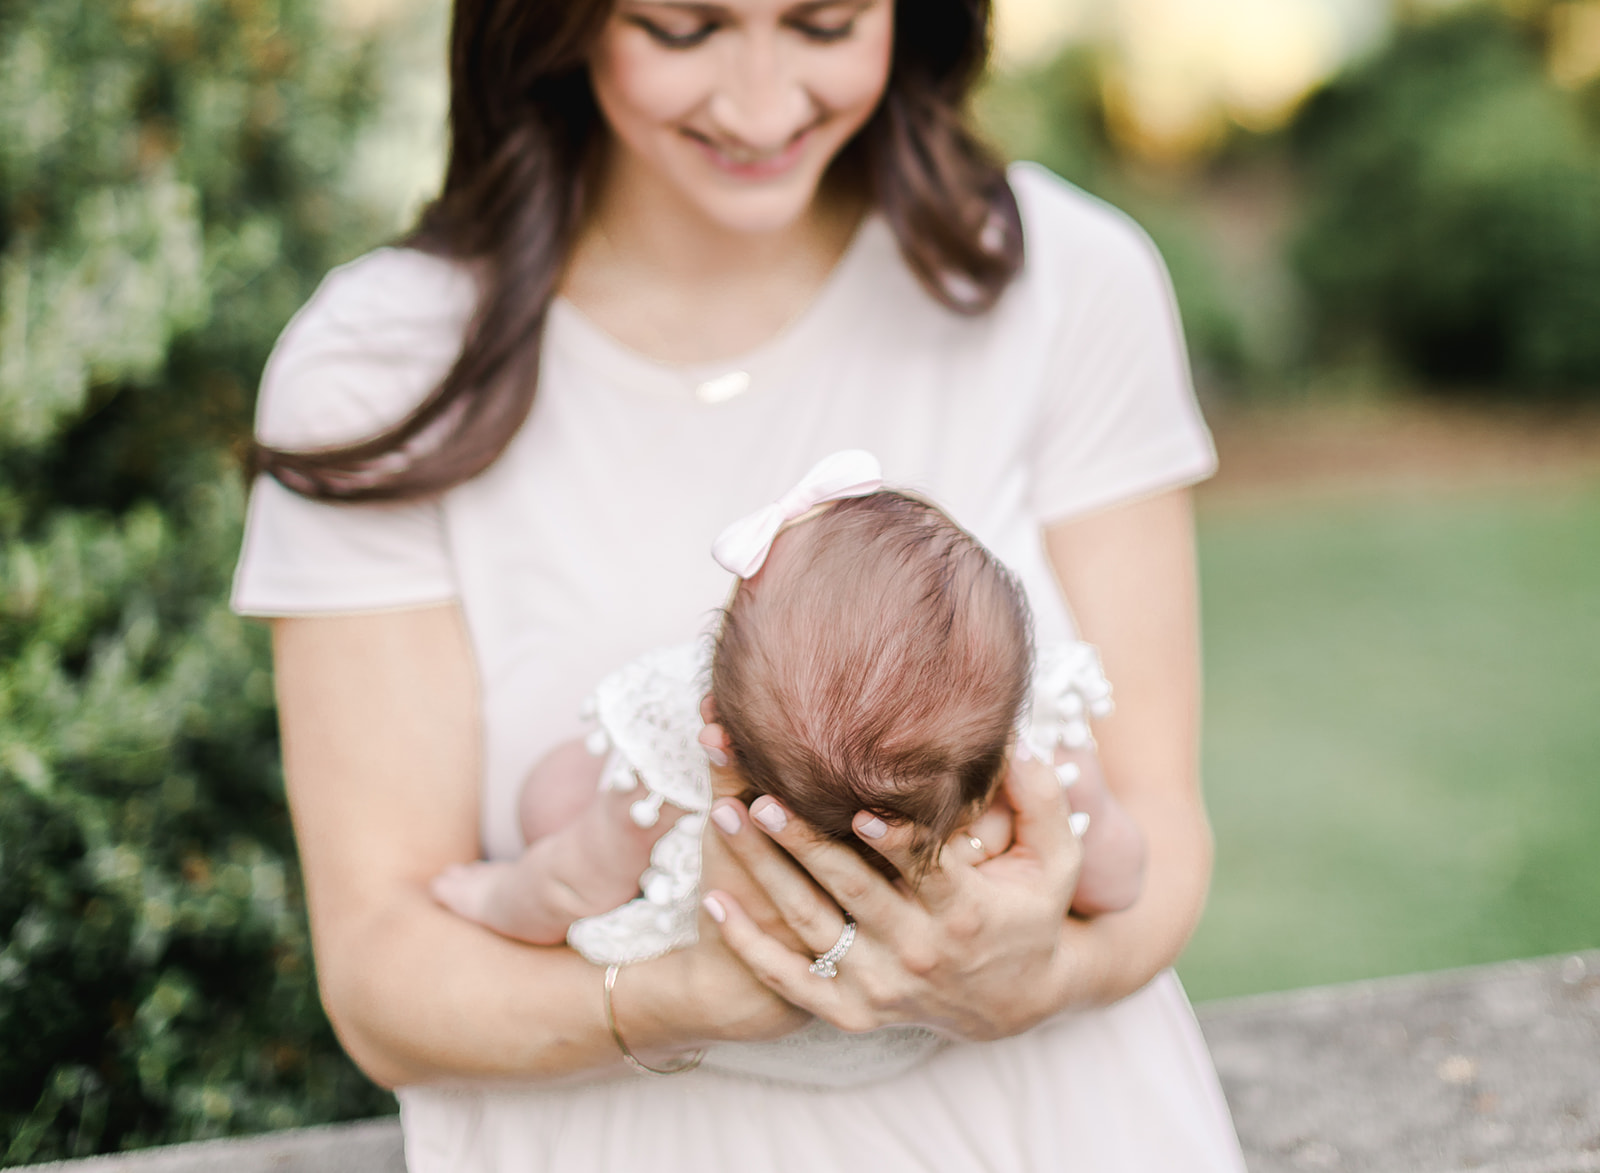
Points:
(759, 209)
(750, 205)
(760, 221)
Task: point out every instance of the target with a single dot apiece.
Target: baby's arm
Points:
(1112, 874)
(584, 855)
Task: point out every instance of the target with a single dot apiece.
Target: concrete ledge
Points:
(1494, 1069)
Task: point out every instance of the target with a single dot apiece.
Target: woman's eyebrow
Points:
(693, 6)
(723, 12)
(807, 7)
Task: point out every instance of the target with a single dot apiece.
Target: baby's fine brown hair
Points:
(878, 661)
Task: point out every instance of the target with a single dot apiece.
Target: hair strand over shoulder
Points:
(525, 139)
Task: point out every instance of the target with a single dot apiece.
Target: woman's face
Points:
(737, 107)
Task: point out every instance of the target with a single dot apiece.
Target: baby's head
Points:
(878, 661)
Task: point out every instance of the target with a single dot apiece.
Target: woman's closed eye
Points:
(825, 34)
(824, 24)
(683, 35)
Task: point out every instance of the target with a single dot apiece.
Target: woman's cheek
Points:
(643, 89)
(852, 79)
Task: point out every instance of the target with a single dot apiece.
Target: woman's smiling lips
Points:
(744, 162)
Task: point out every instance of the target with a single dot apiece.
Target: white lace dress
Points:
(647, 716)
(586, 544)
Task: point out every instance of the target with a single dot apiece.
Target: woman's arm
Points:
(986, 951)
(381, 733)
(1128, 574)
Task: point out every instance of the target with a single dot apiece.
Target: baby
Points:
(874, 656)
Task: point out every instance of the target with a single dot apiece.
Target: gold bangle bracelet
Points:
(687, 1063)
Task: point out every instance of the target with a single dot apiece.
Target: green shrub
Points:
(1453, 210)
(167, 170)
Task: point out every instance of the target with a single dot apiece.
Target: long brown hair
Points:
(525, 134)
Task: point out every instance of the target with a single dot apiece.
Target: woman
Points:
(684, 249)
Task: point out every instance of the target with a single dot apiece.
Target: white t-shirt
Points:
(588, 543)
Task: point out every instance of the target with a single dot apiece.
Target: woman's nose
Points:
(760, 102)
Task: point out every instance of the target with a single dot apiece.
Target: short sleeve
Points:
(1117, 419)
(374, 339)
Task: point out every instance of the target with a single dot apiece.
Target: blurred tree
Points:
(1453, 208)
(167, 174)
(1055, 114)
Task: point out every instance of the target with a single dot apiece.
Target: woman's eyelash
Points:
(826, 34)
(673, 40)
(821, 34)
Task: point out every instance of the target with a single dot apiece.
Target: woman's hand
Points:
(730, 1004)
(381, 735)
(721, 1000)
(974, 951)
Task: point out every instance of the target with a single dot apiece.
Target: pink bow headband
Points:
(743, 547)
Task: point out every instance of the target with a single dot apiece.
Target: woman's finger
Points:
(993, 828)
(854, 885)
(938, 883)
(808, 910)
(775, 966)
(1041, 813)
(968, 849)
(714, 742)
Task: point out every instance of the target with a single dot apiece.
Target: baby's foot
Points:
(467, 889)
(516, 899)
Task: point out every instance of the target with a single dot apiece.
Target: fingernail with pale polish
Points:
(715, 756)
(1024, 752)
(726, 818)
(1079, 822)
(714, 909)
(1067, 773)
(770, 815)
(873, 828)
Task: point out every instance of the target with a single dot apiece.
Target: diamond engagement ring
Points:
(827, 966)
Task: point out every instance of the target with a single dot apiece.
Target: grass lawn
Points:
(1402, 734)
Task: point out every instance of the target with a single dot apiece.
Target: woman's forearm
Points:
(1128, 574)
(418, 995)
(380, 735)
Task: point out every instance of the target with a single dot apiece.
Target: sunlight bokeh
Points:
(1575, 43)
(1182, 69)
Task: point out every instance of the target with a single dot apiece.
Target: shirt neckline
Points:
(573, 331)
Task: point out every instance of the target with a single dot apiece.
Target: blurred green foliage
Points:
(167, 199)
(1442, 198)
(1453, 209)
